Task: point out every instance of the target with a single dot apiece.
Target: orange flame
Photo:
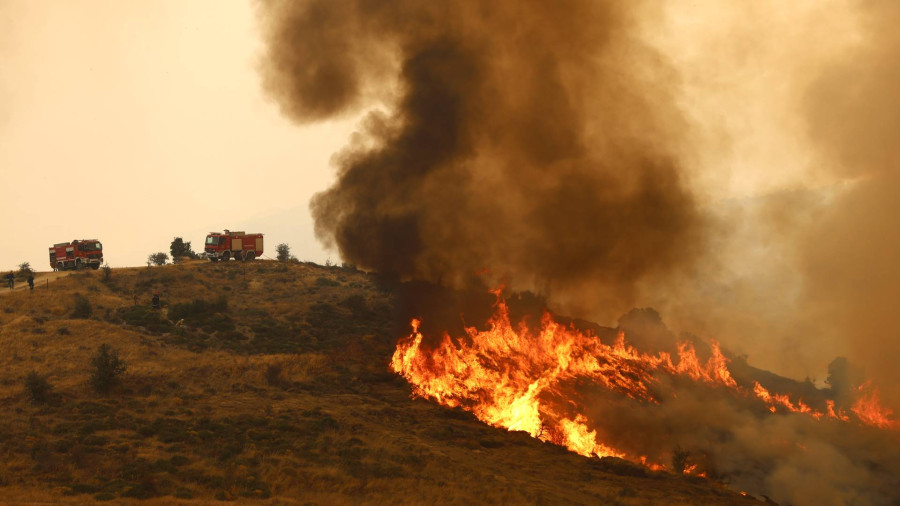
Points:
(784, 401)
(868, 408)
(508, 377)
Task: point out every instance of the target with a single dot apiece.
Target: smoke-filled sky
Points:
(731, 164)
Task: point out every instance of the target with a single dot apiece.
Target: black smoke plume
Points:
(537, 143)
(526, 141)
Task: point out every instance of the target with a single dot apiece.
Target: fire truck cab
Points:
(77, 254)
(238, 245)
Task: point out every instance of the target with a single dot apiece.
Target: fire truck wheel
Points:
(213, 259)
(226, 255)
(95, 266)
(60, 266)
(77, 264)
(251, 255)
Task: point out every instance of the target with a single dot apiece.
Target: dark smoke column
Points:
(534, 139)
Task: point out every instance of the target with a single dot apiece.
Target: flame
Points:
(513, 377)
(651, 465)
(868, 408)
(785, 401)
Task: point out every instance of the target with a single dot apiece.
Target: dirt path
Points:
(41, 280)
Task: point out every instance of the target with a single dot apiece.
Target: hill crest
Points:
(266, 382)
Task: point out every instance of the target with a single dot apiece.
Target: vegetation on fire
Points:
(255, 381)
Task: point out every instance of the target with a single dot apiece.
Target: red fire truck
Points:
(237, 245)
(77, 254)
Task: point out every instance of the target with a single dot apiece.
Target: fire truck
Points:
(77, 254)
(238, 245)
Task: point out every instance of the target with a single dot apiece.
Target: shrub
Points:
(24, 270)
(322, 281)
(38, 388)
(181, 249)
(107, 273)
(107, 369)
(159, 258)
(198, 309)
(143, 316)
(82, 307)
(284, 253)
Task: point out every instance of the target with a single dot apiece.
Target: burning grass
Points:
(567, 387)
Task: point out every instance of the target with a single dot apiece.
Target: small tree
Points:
(284, 253)
(159, 258)
(181, 249)
(25, 268)
(107, 272)
(107, 369)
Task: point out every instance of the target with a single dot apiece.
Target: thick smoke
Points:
(794, 116)
(791, 458)
(525, 141)
(851, 258)
(544, 144)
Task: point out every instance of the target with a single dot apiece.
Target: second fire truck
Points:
(77, 254)
(237, 245)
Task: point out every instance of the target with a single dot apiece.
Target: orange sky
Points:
(134, 122)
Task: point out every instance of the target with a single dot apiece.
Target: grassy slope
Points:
(275, 388)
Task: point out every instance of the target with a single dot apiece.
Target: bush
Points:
(82, 307)
(284, 253)
(159, 258)
(107, 273)
(38, 388)
(146, 317)
(181, 249)
(322, 281)
(24, 270)
(198, 309)
(107, 369)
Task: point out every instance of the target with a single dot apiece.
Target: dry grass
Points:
(281, 397)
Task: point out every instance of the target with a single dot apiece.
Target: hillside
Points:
(266, 382)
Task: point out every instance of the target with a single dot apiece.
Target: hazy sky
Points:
(134, 122)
